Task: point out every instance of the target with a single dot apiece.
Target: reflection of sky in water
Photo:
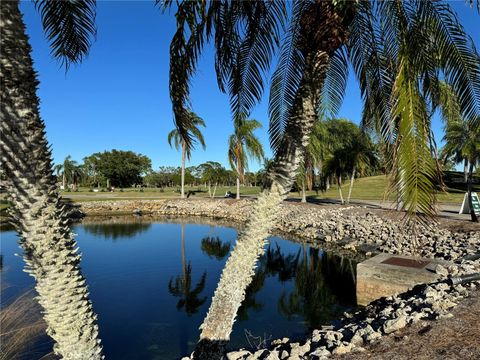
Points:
(149, 295)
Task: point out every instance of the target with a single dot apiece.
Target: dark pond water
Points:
(151, 284)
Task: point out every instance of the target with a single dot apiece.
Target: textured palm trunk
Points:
(50, 252)
(238, 189)
(469, 190)
(304, 193)
(339, 185)
(351, 185)
(183, 169)
(240, 267)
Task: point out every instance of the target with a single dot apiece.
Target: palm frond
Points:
(456, 54)
(415, 167)
(69, 27)
(185, 48)
(372, 67)
(254, 54)
(333, 90)
(287, 76)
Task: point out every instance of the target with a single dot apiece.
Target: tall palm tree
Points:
(243, 144)
(49, 248)
(70, 170)
(397, 50)
(463, 138)
(175, 138)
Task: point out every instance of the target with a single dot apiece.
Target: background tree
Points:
(193, 131)
(49, 248)
(463, 143)
(352, 151)
(243, 144)
(121, 168)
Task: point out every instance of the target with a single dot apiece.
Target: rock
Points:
(319, 353)
(238, 355)
(299, 350)
(342, 349)
(284, 355)
(257, 355)
(395, 324)
(441, 270)
(273, 355)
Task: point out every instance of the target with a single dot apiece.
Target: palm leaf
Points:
(69, 27)
(333, 90)
(287, 76)
(415, 167)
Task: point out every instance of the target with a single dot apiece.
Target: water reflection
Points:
(324, 285)
(190, 299)
(117, 231)
(319, 295)
(214, 247)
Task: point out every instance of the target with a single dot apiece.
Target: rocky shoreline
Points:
(357, 230)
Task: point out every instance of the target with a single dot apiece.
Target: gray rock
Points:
(342, 349)
(395, 324)
(238, 355)
(319, 353)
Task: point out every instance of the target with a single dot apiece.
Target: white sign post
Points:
(465, 208)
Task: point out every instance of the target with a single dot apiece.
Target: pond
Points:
(151, 284)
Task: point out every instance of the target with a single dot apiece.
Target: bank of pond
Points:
(151, 283)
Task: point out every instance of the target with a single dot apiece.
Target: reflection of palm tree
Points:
(277, 263)
(214, 247)
(182, 288)
(322, 288)
(182, 285)
(250, 302)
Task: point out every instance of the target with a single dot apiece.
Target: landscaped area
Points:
(239, 180)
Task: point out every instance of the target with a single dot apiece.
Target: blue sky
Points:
(118, 97)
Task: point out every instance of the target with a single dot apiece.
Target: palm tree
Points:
(463, 138)
(241, 145)
(316, 153)
(50, 251)
(397, 50)
(194, 132)
(351, 152)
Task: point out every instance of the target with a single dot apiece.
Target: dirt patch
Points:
(449, 338)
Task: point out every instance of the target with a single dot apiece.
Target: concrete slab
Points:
(386, 275)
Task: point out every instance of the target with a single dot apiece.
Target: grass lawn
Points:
(369, 188)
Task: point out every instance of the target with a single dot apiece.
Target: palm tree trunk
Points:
(64, 180)
(304, 194)
(183, 170)
(239, 269)
(469, 189)
(339, 184)
(238, 189)
(351, 185)
(50, 251)
(214, 190)
(465, 170)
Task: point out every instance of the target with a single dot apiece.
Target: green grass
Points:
(369, 188)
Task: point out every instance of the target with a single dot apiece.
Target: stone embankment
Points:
(358, 230)
(355, 229)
